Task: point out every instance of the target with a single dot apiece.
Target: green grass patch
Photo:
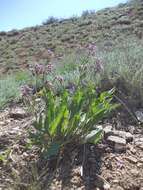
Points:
(10, 86)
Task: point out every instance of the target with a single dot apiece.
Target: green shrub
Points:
(87, 13)
(50, 20)
(9, 90)
(10, 85)
(124, 63)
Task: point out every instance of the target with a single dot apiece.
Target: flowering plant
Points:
(68, 116)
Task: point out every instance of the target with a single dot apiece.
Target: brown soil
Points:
(24, 169)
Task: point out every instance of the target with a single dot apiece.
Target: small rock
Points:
(139, 115)
(131, 129)
(129, 137)
(118, 143)
(107, 130)
(18, 113)
(126, 135)
(132, 159)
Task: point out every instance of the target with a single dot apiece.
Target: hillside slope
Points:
(109, 26)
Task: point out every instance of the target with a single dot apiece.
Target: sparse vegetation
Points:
(65, 69)
(50, 20)
(8, 90)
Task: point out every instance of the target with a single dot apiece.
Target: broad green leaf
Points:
(93, 137)
(53, 149)
(54, 125)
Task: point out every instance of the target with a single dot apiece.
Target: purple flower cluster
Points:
(40, 69)
(49, 68)
(99, 65)
(92, 48)
(26, 90)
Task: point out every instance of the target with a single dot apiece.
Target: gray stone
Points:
(126, 135)
(139, 115)
(118, 143)
(131, 129)
(107, 130)
(129, 137)
(18, 113)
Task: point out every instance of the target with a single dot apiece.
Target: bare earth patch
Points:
(22, 168)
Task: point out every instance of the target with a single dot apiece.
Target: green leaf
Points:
(54, 125)
(53, 149)
(93, 137)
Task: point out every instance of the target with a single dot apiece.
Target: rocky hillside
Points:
(111, 25)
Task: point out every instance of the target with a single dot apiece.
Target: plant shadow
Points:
(48, 175)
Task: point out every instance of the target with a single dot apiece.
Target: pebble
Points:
(17, 113)
(139, 115)
(107, 130)
(126, 135)
(118, 143)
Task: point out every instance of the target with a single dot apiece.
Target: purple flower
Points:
(39, 69)
(49, 68)
(50, 52)
(120, 164)
(26, 90)
(92, 48)
(99, 65)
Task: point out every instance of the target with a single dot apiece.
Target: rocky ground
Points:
(116, 163)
